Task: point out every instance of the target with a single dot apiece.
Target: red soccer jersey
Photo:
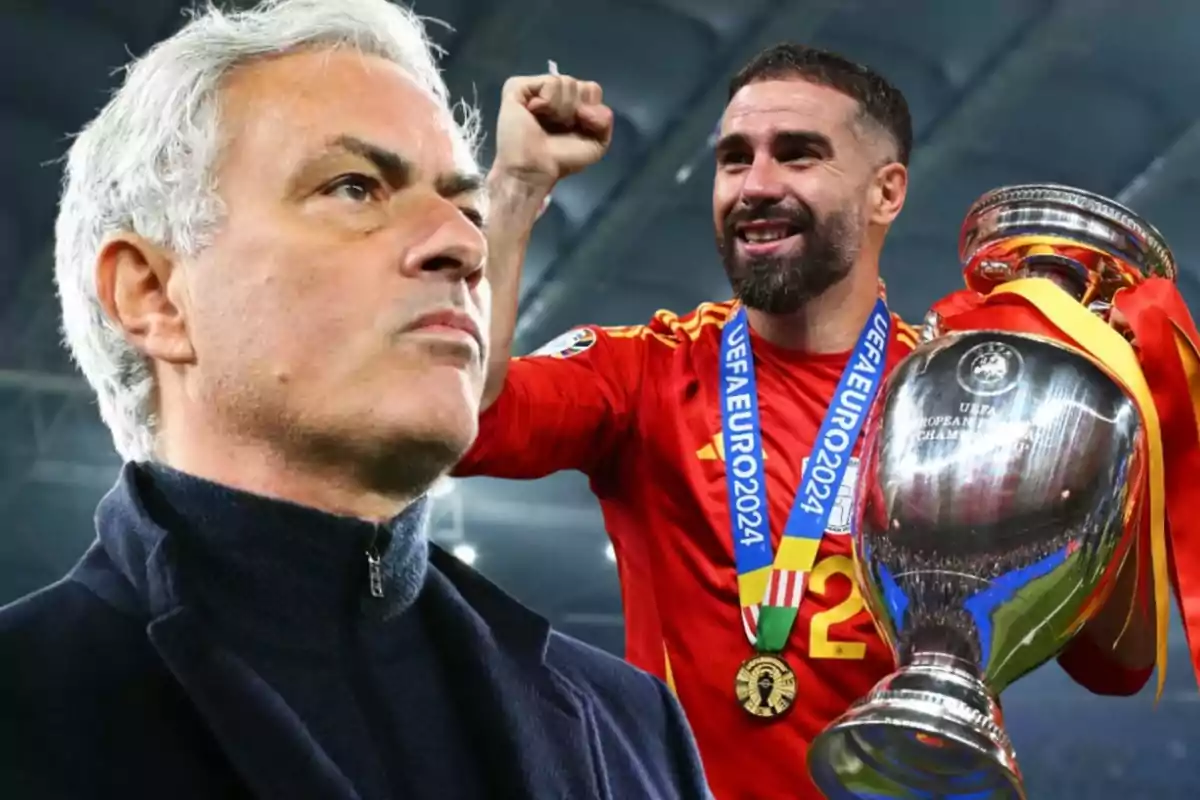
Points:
(637, 409)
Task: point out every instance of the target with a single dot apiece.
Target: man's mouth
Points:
(450, 323)
(765, 235)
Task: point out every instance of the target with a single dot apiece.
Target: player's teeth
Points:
(769, 235)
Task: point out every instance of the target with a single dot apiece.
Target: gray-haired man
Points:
(270, 258)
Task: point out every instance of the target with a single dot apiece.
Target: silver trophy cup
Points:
(1001, 477)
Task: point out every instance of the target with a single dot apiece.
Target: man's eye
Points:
(356, 187)
(473, 215)
(805, 154)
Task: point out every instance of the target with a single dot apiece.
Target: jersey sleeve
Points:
(569, 405)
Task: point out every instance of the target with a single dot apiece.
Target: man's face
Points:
(789, 199)
(329, 312)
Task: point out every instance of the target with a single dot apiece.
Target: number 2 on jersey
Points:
(819, 644)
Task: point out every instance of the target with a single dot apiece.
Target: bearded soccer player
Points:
(694, 430)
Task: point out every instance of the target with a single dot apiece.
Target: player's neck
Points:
(830, 323)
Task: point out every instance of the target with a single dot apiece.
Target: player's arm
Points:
(513, 208)
(1113, 654)
(549, 127)
(570, 405)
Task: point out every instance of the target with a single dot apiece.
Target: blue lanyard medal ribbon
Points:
(771, 585)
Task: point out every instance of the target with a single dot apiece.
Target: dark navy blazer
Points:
(109, 688)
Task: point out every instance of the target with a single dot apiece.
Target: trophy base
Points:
(927, 730)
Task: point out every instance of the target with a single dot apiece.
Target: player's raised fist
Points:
(550, 126)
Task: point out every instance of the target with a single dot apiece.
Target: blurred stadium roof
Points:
(1096, 93)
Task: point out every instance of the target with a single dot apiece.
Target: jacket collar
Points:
(147, 555)
(493, 647)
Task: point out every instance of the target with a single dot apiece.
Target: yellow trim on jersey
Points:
(690, 326)
(641, 332)
(667, 672)
(704, 315)
(906, 333)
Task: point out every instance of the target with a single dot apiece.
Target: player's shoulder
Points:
(674, 330)
(706, 319)
(904, 334)
(664, 331)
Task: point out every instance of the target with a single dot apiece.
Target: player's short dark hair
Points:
(879, 101)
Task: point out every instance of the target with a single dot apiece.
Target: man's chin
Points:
(775, 306)
(397, 450)
(770, 294)
(408, 462)
(780, 288)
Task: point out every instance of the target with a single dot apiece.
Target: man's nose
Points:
(451, 243)
(763, 181)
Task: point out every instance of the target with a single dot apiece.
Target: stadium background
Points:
(1096, 93)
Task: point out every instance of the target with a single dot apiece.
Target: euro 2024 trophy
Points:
(1000, 492)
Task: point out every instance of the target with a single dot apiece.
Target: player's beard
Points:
(783, 284)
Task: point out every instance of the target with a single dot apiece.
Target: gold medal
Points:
(765, 686)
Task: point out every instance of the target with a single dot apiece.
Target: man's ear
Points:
(888, 193)
(140, 286)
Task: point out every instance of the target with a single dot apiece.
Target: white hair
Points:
(146, 165)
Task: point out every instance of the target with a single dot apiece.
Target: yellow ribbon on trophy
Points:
(1112, 351)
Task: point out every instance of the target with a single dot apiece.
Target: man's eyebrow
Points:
(805, 139)
(793, 138)
(731, 141)
(398, 171)
(453, 184)
(395, 168)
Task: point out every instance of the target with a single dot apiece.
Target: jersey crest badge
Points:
(571, 343)
(842, 512)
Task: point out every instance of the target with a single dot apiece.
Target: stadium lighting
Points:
(465, 553)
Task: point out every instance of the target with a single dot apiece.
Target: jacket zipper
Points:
(374, 570)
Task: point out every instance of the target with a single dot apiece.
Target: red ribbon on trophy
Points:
(1168, 347)
(1147, 340)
